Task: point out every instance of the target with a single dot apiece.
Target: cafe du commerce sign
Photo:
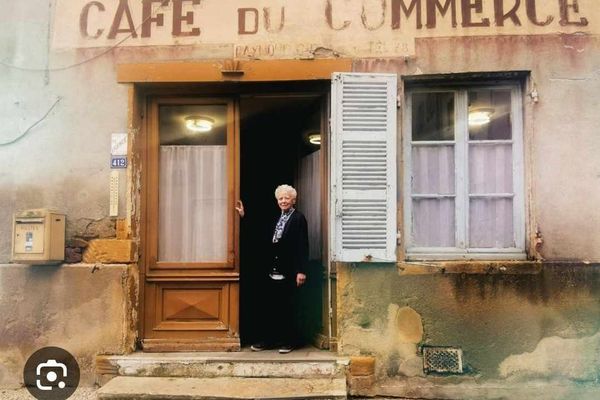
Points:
(293, 28)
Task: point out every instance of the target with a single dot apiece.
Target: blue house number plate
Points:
(118, 162)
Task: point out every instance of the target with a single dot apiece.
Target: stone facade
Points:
(519, 324)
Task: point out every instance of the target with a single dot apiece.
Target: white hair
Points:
(286, 189)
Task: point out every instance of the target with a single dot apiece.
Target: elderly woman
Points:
(288, 258)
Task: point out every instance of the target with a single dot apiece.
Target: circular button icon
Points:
(51, 373)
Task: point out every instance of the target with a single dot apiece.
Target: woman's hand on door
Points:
(300, 279)
(239, 207)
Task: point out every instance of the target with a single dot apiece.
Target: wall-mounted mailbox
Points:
(38, 237)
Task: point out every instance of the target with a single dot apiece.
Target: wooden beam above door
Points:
(232, 71)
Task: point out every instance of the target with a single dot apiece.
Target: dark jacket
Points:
(290, 253)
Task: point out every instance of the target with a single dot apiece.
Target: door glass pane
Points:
(193, 183)
(433, 169)
(491, 223)
(432, 116)
(433, 222)
(490, 168)
(489, 114)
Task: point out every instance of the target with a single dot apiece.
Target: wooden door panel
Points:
(191, 273)
(196, 313)
(195, 306)
(192, 306)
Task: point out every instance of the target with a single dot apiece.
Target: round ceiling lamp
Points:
(197, 123)
(480, 116)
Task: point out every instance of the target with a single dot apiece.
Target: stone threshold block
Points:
(302, 363)
(154, 388)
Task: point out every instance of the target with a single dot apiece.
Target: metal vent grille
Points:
(442, 359)
(364, 165)
(364, 224)
(364, 106)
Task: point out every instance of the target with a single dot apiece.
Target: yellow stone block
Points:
(109, 251)
(122, 229)
(362, 366)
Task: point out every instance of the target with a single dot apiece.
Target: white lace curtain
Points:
(309, 194)
(193, 204)
(490, 191)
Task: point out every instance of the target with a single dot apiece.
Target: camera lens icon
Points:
(49, 370)
(51, 373)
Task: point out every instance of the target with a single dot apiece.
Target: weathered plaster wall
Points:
(64, 160)
(85, 309)
(513, 327)
(531, 333)
(562, 171)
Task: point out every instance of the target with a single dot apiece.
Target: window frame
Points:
(461, 145)
(155, 264)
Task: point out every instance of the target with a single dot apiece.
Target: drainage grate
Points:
(442, 359)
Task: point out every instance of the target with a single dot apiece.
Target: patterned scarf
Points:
(281, 224)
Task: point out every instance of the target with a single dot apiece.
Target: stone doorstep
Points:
(302, 363)
(154, 388)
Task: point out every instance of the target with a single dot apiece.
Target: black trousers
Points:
(279, 305)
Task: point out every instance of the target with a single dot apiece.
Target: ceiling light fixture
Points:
(480, 116)
(196, 123)
(315, 138)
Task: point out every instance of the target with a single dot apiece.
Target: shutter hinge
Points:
(534, 95)
(398, 237)
(398, 102)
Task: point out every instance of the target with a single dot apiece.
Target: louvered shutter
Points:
(363, 167)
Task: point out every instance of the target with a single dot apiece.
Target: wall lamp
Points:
(314, 138)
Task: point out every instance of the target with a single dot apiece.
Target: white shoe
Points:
(285, 349)
(258, 347)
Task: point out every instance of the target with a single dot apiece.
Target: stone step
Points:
(310, 363)
(155, 388)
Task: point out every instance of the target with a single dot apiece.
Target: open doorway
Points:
(279, 144)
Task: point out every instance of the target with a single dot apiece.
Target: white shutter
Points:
(363, 167)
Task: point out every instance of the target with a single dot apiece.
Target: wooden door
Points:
(191, 264)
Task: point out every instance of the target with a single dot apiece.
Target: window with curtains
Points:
(463, 183)
(192, 225)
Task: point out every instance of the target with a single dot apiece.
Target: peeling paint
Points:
(410, 327)
(391, 336)
(489, 316)
(556, 357)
